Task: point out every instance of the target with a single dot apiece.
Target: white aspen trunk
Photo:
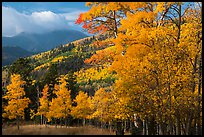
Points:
(41, 120)
(125, 126)
(110, 128)
(84, 121)
(147, 128)
(144, 127)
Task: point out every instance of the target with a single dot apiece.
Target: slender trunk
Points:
(147, 128)
(183, 129)
(66, 122)
(190, 114)
(131, 125)
(110, 126)
(179, 24)
(171, 128)
(61, 122)
(178, 124)
(159, 129)
(174, 129)
(170, 119)
(119, 128)
(144, 127)
(45, 122)
(161, 124)
(199, 94)
(78, 122)
(193, 73)
(189, 128)
(18, 118)
(152, 125)
(101, 125)
(125, 126)
(115, 25)
(162, 17)
(84, 121)
(164, 129)
(41, 119)
(194, 126)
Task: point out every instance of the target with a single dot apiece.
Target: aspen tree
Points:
(17, 102)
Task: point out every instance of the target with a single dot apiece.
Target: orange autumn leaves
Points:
(155, 70)
(102, 57)
(157, 76)
(88, 25)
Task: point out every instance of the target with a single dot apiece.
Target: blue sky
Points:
(37, 17)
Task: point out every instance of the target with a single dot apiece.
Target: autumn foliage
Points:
(17, 102)
(144, 76)
(60, 106)
(157, 61)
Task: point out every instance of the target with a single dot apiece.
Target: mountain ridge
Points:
(8, 54)
(34, 42)
(31, 43)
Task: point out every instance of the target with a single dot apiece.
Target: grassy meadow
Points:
(53, 130)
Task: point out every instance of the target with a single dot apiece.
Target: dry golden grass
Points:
(52, 130)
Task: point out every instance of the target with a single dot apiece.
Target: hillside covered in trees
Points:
(140, 73)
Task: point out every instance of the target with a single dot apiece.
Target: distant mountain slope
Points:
(10, 54)
(42, 42)
(69, 59)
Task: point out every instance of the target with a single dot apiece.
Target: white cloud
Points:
(48, 20)
(72, 16)
(14, 22)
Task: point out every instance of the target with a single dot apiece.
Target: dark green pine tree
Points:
(50, 78)
(23, 66)
(72, 84)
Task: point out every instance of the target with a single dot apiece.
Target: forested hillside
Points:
(140, 73)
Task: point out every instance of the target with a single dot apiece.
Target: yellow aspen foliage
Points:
(42, 66)
(44, 103)
(93, 74)
(60, 106)
(32, 114)
(58, 59)
(155, 70)
(101, 105)
(157, 62)
(17, 101)
(83, 106)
